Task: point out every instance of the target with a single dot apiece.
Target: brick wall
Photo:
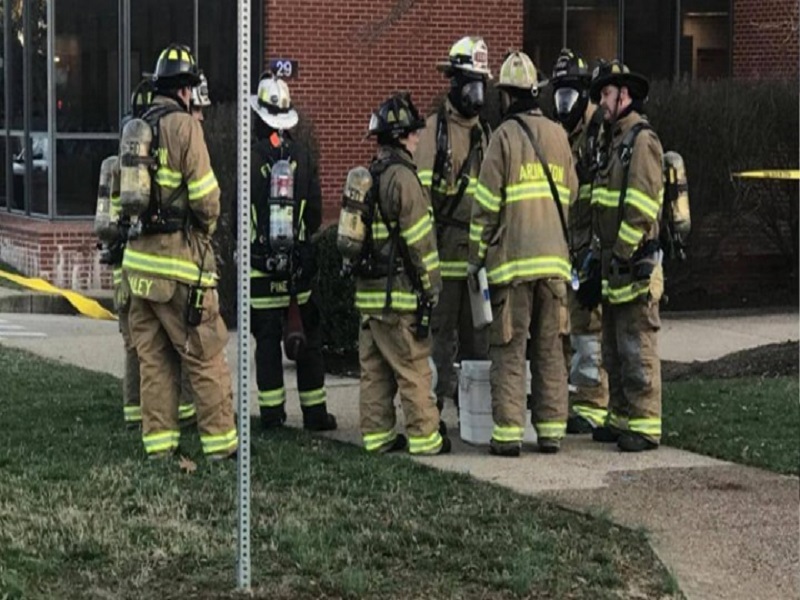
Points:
(765, 39)
(354, 53)
(62, 252)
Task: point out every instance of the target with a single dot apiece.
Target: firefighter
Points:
(448, 157)
(172, 274)
(283, 306)
(625, 266)
(580, 119)
(518, 232)
(140, 101)
(397, 284)
(200, 99)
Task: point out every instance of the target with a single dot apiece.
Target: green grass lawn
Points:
(83, 515)
(750, 420)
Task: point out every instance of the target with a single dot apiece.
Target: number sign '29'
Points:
(283, 67)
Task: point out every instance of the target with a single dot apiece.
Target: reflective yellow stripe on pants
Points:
(376, 441)
(272, 398)
(425, 445)
(553, 430)
(161, 441)
(133, 414)
(312, 397)
(595, 416)
(221, 443)
(502, 433)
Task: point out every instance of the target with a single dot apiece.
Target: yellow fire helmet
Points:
(470, 55)
(518, 71)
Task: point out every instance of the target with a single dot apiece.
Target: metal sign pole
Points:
(243, 297)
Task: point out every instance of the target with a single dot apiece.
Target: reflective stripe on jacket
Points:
(406, 205)
(452, 241)
(515, 228)
(183, 158)
(643, 201)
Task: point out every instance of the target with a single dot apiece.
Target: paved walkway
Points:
(724, 530)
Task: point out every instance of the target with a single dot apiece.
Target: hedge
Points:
(719, 128)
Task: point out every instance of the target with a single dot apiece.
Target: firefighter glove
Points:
(590, 292)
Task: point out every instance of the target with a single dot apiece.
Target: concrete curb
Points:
(12, 301)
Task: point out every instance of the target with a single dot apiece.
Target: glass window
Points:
(156, 24)
(217, 48)
(38, 64)
(15, 65)
(592, 29)
(542, 32)
(3, 178)
(2, 76)
(78, 173)
(650, 38)
(86, 65)
(705, 38)
(17, 200)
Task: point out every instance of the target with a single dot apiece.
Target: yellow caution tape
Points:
(777, 174)
(85, 306)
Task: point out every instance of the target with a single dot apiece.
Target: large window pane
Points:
(78, 173)
(217, 48)
(3, 177)
(38, 64)
(3, 71)
(592, 29)
(17, 200)
(87, 65)
(541, 32)
(15, 65)
(154, 25)
(705, 42)
(650, 37)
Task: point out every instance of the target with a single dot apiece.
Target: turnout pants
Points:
(539, 309)
(587, 374)
(392, 359)
(160, 332)
(131, 401)
(454, 337)
(267, 326)
(630, 355)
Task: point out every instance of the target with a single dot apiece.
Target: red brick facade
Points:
(353, 54)
(62, 252)
(765, 39)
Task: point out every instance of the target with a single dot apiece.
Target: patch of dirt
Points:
(772, 360)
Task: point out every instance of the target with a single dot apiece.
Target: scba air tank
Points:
(676, 192)
(351, 232)
(281, 207)
(135, 167)
(106, 216)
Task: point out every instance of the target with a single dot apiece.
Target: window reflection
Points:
(86, 65)
(78, 173)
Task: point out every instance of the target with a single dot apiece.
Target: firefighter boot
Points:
(273, 417)
(605, 435)
(317, 418)
(634, 442)
(549, 445)
(508, 449)
(578, 425)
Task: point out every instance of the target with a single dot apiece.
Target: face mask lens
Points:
(565, 99)
(473, 95)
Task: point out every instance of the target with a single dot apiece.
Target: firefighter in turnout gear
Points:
(171, 270)
(518, 232)
(397, 282)
(141, 98)
(283, 265)
(627, 200)
(448, 157)
(582, 122)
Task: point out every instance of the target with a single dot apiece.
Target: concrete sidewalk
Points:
(724, 530)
